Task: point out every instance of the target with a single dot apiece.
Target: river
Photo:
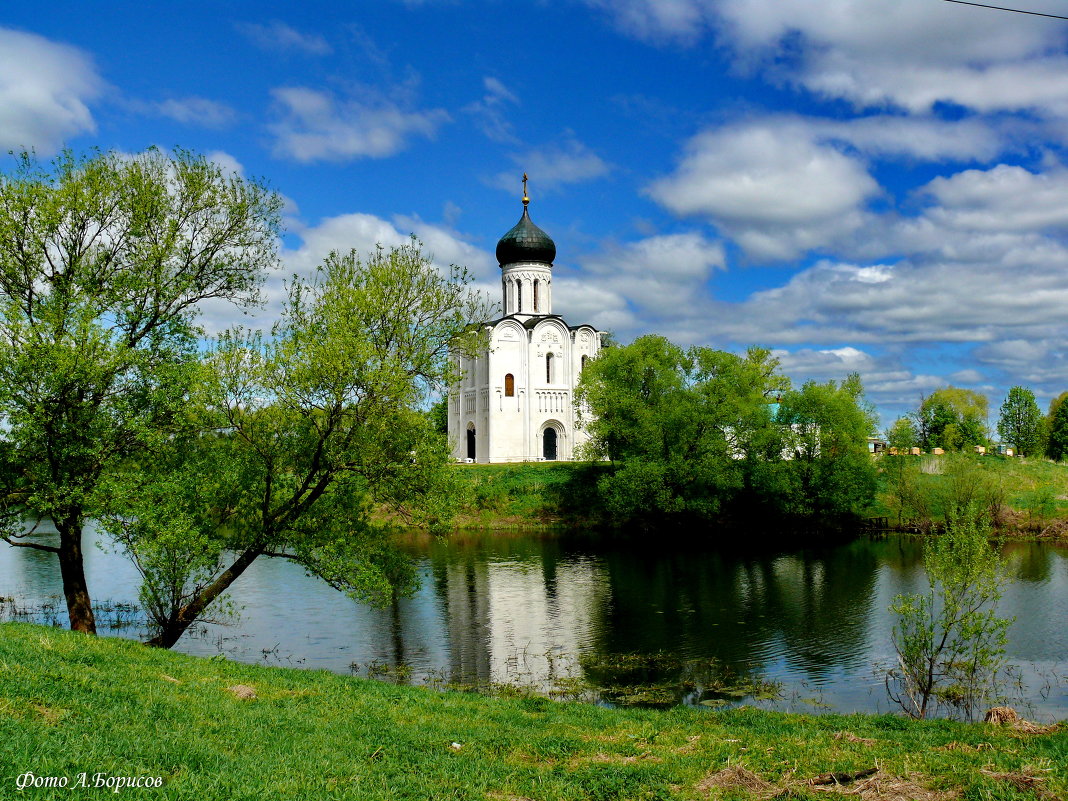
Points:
(644, 622)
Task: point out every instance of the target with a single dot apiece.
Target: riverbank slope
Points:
(72, 704)
(1033, 493)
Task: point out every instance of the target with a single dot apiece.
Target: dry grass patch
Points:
(868, 785)
(1007, 716)
(736, 777)
(881, 787)
(1029, 779)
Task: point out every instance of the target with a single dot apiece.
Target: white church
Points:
(514, 401)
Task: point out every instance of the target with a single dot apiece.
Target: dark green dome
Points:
(525, 242)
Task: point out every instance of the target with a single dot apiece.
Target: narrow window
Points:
(509, 386)
(535, 297)
(519, 296)
(583, 366)
(548, 368)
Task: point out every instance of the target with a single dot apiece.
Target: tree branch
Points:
(36, 545)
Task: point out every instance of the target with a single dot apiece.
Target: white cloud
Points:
(45, 91)
(227, 162)
(555, 164)
(659, 275)
(910, 53)
(191, 111)
(774, 189)
(659, 20)
(922, 138)
(490, 110)
(314, 125)
(277, 36)
(1005, 198)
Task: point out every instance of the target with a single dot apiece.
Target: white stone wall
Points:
(511, 428)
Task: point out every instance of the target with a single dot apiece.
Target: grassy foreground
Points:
(71, 704)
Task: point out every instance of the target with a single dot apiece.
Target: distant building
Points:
(515, 401)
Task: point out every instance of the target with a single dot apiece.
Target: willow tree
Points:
(308, 444)
(104, 262)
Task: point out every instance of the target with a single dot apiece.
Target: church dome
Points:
(525, 242)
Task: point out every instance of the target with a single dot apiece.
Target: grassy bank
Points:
(529, 494)
(71, 704)
(1033, 493)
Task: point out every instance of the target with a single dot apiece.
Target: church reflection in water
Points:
(532, 612)
(538, 610)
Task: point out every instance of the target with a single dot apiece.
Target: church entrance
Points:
(471, 441)
(549, 444)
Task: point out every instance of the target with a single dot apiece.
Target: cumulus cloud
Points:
(365, 232)
(314, 125)
(658, 282)
(875, 52)
(276, 36)
(45, 91)
(917, 138)
(1005, 198)
(775, 189)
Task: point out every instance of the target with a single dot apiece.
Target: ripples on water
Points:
(544, 611)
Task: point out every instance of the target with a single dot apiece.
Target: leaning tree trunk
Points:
(173, 629)
(72, 569)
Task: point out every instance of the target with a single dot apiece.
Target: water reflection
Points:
(544, 611)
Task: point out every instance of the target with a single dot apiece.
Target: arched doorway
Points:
(548, 444)
(470, 440)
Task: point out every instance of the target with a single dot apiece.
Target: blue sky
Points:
(861, 185)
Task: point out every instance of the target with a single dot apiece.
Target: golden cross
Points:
(526, 199)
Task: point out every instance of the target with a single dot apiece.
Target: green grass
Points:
(71, 703)
(527, 494)
(1034, 491)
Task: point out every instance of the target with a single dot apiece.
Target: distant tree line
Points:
(956, 419)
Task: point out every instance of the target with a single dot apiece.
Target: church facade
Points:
(515, 400)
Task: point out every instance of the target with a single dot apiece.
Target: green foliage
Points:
(952, 418)
(147, 712)
(693, 436)
(902, 435)
(298, 437)
(1017, 495)
(104, 261)
(439, 415)
(1020, 422)
(827, 426)
(949, 641)
(1057, 444)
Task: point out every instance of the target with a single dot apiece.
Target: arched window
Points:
(535, 297)
(519, 296)
(548, 368)
(583, 365)
(509, 386)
